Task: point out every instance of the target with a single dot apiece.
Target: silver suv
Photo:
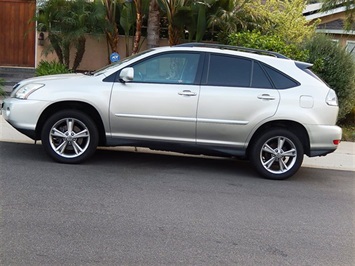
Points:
(192, 98)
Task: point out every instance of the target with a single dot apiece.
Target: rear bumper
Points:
(321, 152)
(322, 139)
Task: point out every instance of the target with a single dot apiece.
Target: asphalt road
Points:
(125, 208)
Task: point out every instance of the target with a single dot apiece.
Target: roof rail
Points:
(231, 47)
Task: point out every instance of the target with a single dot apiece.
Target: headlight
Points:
(24, 91)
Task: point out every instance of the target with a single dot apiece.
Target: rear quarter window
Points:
(279, 79)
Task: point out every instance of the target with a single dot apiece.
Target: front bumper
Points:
(23, 115)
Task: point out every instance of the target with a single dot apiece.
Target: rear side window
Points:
(280, 80)
(260, 80)
(229, 71)
(233, 71)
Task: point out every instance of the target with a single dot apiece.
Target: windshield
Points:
(113, 65)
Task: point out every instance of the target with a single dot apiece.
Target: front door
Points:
(161, 101)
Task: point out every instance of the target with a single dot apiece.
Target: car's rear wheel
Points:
(277, 154)
(69, 136)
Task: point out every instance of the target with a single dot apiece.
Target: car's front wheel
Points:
(277, 154)
(69, 136)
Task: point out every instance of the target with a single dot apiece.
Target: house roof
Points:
(312, 8)
(314, 11)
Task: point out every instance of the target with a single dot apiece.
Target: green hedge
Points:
(51, 68)
(2, 82)
(274, 43)
(336, 67)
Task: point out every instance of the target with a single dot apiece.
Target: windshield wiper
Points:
(89, 73)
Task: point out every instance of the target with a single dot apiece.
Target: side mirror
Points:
(127, 74)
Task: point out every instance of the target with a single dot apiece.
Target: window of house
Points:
(350, 47)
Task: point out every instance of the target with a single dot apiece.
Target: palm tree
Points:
(111, 30)
(172, 8)
(138, 32)
(48, 16)
(85, 17)
(231, 16)
(198, 19)
(67, 23)
(131, 19)
(153, 29)
(127, 19)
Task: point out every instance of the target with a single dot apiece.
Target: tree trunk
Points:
(66, 53)
(112, 38)
(111, 35)
(174, 35)
(80, 50)
(153, 24)
(55, 42)
(138, 34)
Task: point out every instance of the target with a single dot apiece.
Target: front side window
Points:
(178, 68)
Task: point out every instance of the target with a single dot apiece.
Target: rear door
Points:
(236, 94)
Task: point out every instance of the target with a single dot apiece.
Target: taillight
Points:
(332, 98)
(336, 141)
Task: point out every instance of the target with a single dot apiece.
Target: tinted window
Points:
(260, 80)
(229, 71)
(280, 80)
(168, 68)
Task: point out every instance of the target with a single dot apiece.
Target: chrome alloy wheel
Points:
(278, 154)
(69, 137)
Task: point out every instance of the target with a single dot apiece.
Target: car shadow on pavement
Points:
(167, 161)
(159, 162)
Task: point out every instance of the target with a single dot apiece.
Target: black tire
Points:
(277, 154)
(69, 136)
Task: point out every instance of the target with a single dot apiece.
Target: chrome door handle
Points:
(187, 93)
(267, 97)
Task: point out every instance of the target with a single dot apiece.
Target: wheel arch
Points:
(72, 105)
(296, 128)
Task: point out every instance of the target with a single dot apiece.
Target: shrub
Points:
(273, 43)
(2, 82)
(51, 68)
(336, 67)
